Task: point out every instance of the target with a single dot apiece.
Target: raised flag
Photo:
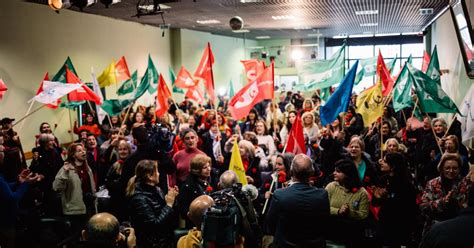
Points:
(433, 70)
(52, 91)
(204, 71)
(3, 88)
(431, 96)
(101, 114)
(318, 74)
(83, 93)
(236, 164)
(383, 75)
(467, 118)
(339, 100)
(260, 89)
(402, 90)
(128, 86)
(142, 87)
(107, 77)
(231, 89)
(370, 104)
(173, 82)
(253, 68)
(162, 96)
(121, 70)
(114, 107)
(368, 68)
(152, 75)
(195, 94)
(185, 79)
(426, 62)
(60, 76)
(53, 105)
(295, 143)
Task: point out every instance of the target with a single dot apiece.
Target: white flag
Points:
(101, 114)
(467, 120)
(52, 91)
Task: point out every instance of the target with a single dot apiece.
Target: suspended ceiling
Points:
(284, 18)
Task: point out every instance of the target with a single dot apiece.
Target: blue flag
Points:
(339, 100)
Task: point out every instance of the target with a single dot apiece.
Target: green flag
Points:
(320, 74)
(114, 107)
(231, 89)
(142, 87)
(152, 76)
(431, 96)
(433, 70)
(129, 85)
(325, 94)
(71, 105)
(368, 68)
(173, 78)
(402, 90)
(61, 74)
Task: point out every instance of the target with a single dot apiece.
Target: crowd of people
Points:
(389, 184)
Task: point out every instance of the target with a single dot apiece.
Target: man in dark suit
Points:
(297, 214)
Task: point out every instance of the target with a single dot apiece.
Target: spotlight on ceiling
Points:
(236, 23)
(56, 5)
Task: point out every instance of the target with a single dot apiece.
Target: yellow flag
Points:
(236, 164)
(108, 76)
(370, 104)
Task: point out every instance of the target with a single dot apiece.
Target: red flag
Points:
(121, 70)
(204, 71)
(54, 105)
(253, 68)
(196, 95)
(81, 94)
(163, 93)
(260, 89)
(3, 88)
(383, 75)
(184, 79)
(295, 143)
(426, 62)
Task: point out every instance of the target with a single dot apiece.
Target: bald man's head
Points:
(228, 179)
(102, 227)
(301, 168)
(198, 208)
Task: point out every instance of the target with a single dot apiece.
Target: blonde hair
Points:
(358, 140)
(306, 114)
(249, 148)
(198, 163)
(144, 169)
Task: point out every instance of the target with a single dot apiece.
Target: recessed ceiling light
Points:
(411, 33)
(283, 17)
(367, 12)
(315, 35)
(150, 7)
(360, 35)
(342, 36)
(390, 34)
(241, 31)
(370, 24)
(211, 21)
(262, 37)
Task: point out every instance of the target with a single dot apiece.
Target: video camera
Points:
(160, 138)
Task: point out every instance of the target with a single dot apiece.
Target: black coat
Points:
(153, 220)
(189, 190)
(293, 213)
(456, 232)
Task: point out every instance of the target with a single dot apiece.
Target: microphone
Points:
(250, 190)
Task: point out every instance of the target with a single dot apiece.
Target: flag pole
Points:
(125, 117)
(70, 126)
(27, 112)
(449, 127)
(271, 186)
(436, 138)
(25, 116)
(414, 108)
(59, 120)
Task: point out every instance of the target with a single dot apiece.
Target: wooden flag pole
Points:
(414, 108)
(70, 126)
(436, 138)
(125, 118)
(449, 127)
(59, 120)
(25, 116)
(27, 112)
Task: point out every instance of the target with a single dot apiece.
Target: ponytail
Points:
(130, 186)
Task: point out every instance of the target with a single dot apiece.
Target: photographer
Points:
(233, 219)
(103, 230)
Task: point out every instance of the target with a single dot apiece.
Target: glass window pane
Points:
(415, 50)
(388, 51)
(361, 52)
(331, 50)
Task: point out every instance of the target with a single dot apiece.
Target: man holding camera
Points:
(297, 213)
(103, 230)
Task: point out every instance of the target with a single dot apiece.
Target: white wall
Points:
(455, 83)
(36, 40)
